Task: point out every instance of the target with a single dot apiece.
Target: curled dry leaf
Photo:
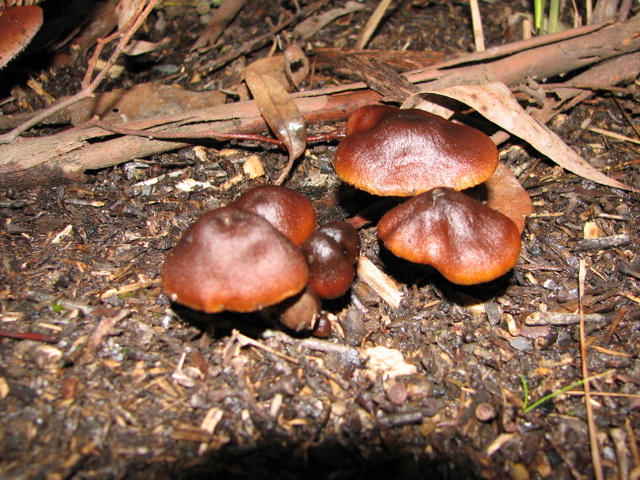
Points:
(496, 103)
(18, 25)
(296, 65)
(280, 112)
(502, 192)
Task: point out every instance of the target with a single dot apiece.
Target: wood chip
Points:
(386, 287)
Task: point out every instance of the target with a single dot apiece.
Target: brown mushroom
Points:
(18, 25)
(331, 252)
(388, 151)
(231, 259)
(287, 210)
(465, 241)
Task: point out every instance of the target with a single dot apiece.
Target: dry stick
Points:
(593, 438)
(88, 85)
(372, 24)
(476, 20)
(633, 447)
(68, 154)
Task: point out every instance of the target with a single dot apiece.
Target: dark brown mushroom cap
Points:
(346, 236)
(231, 259)
(393, 152)
(465, 241)
(287, 210)
(330, 261)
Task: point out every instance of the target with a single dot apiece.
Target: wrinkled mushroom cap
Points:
(393, 152)
(230, 259)
(465, 241)
(287, 210)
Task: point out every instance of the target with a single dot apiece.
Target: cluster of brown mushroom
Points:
(264, 250)
(411, 153)
(259, 251)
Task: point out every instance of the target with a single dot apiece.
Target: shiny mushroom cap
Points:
(287, 210)
(465, 241)
(331, 252)
(231, 259)
(388, 151)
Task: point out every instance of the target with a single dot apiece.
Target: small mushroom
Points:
(231, 259)
(287, 210)
(331, 252)
(346, 236)
(465, 241)
(389, 151)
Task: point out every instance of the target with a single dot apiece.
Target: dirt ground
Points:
(124, 384)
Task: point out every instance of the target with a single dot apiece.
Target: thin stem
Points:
(526, 408)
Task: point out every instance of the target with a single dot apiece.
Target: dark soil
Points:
(132, 386)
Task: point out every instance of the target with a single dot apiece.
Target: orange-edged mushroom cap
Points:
(388, 151)
(287, 210)
(18, 25)
(231, 259)
(465, 241)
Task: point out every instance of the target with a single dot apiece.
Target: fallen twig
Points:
(593, 435)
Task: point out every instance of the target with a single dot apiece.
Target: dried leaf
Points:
(279, 111)
(272, 67)
(495, 102)
(125, 11)
(146, 100)
(139, 47)
(18, 25)
(220, 18)
(296, 65)
(502, 192)
(307, 28)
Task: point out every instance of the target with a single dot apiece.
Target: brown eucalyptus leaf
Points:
(296, 65)
(502, 192)
(272, 67)
(309, 27)
(279, 111)
(220, 18)
(125, 11)
(145, 100)
(18, 25)
(496, 103)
